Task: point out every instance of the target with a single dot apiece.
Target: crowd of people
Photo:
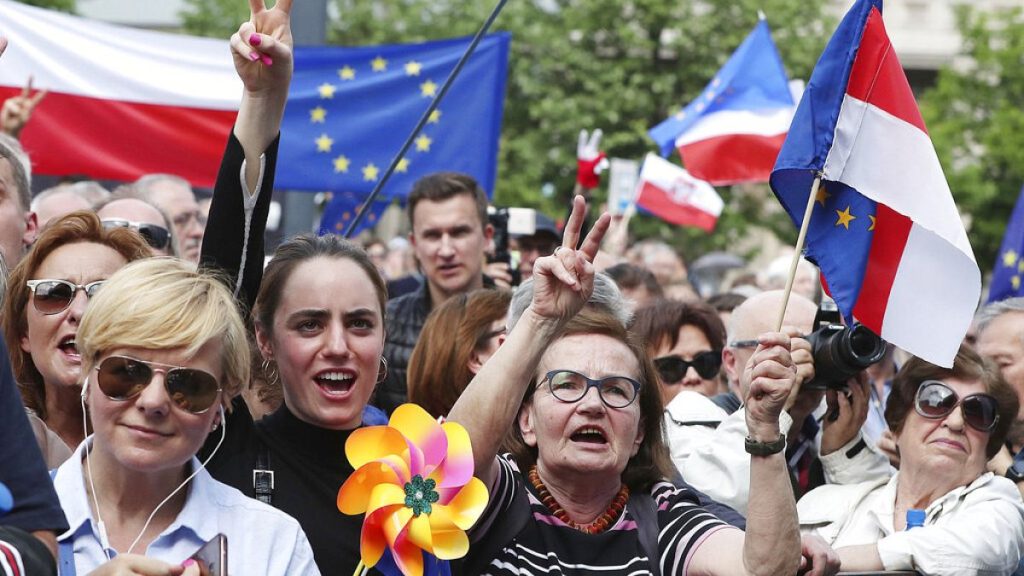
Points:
(163, 385)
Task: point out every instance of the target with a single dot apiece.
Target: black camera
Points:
(840, 352)
(498, 217)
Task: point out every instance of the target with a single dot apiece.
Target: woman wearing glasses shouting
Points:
(46, 297)
(942, 513)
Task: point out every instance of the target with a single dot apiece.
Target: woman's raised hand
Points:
(564, 281)
(262, 48)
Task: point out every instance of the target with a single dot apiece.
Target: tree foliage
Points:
(618, 65)
(976, 121)
(62, 5)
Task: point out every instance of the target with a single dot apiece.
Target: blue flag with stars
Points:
(342, 208)
(350, 110)
(1009, 268)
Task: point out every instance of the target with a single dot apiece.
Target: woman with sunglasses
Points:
(46, 297)
(584, 490)
(948, 422)
(163, 351)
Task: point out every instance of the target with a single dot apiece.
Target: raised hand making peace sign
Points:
(262, 47)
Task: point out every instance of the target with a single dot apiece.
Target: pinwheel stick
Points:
(361, 569)
(798, 250)
(352, 226)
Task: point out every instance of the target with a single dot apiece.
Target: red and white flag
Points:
(123, 102)
(670, 193)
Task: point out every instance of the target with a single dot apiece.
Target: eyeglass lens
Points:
(615, 391)
(54, 296)
(936, 400)
(123, 378)
(672, 369)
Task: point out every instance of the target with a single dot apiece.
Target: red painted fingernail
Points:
(255, 39)
(267, 60)
(188, 563)
(254, 56)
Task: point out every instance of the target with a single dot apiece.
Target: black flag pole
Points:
(424, 118)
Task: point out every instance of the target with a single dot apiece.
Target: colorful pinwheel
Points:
(414, 482)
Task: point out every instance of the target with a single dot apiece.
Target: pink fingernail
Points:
(254, 39)
(254, 56)
(267, 60)
(188, 563)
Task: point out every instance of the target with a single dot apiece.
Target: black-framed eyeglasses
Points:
(570, 386)
(121, 378)
(156, 236)
(673, 368)
(937, 400)
(54, 296)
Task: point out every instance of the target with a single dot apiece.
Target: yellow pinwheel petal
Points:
(420, 529)
(373, 443)
(355, 492)
(423, 433)
(466, 507)
(394, 525)
(383, 495)
(450, 544)
(371, 543)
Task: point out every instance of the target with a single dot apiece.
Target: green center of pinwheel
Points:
(420, 494)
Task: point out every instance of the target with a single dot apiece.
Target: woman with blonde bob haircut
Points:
(163, 352)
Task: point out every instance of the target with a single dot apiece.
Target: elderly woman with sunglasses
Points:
(163, 352)
(46, 297)
(948, 422)
(586, 490)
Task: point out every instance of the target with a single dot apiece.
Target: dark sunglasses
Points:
(673, 368)
(54, 296)
(569, 386)
(156, 236)
(122, 378)
(937, 400)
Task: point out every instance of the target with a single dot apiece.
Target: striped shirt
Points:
(546, 545)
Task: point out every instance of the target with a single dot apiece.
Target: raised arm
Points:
(563, 283)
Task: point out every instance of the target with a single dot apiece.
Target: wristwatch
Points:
(757, 448)
(1016, 470)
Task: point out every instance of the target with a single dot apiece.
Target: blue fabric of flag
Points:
(752, 79)
(350, 110)
(342, 208)
(1008, 272)
(839, 249)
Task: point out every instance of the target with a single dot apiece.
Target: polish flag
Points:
(734, 130)
(122, 102)
(885, 230)
(672, 194)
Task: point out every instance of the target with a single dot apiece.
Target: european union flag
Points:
(342, 208)
(1009, 269)
(350, 110)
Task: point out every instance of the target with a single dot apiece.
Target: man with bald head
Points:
(141, 216)
(834, 453)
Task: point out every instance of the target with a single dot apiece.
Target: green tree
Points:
(62, 5)
(976, 121)
(621, 66)
(214, 18)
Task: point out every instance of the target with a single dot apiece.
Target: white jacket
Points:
(976, 529)
(690, 421)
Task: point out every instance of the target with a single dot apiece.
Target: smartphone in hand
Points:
(212, 558)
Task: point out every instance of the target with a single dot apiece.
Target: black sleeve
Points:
(226, 244)
(21, 463)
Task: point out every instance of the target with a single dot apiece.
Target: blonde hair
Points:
(164, 303)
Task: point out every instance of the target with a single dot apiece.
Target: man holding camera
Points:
(820, 445)
(450, 231)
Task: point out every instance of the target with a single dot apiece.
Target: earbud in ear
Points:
(85, 385)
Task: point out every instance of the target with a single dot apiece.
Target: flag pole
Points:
(424, 118)
(799, 248)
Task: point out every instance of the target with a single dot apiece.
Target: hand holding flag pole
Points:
(798, 251)
(424, 118)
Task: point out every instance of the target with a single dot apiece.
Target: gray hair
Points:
(21, 168)
(988, 313)
(606, 296)
(144, 185)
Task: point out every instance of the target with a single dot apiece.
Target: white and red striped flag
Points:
(672, 194)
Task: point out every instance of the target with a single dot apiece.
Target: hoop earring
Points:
(269, 369)
(382, 372)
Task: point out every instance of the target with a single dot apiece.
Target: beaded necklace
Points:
(598, 525)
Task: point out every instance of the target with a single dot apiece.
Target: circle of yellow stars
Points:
(844, 217)
(318, 115)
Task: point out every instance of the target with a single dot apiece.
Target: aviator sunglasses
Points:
(673, 368)
(54, 296)
(122, 378)
(937, 400)
(157, 237)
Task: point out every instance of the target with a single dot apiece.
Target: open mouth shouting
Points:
(335, 383)
(589, 435)
(68, 348)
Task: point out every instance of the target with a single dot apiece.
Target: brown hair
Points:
(967, 365)
(81, 226)
(659, 323)
(297, 250)
(651, 463)
(629, 276)
(444, 185)
(439, 365)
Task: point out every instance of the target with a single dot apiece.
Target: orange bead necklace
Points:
(602, 523)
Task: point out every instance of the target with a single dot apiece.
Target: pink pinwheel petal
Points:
(354, 494)
(466, 507)
(457, 467)
(409, 559)
(422, 431)
(373, 443)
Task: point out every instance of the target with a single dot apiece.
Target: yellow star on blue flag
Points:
(1009, 264)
